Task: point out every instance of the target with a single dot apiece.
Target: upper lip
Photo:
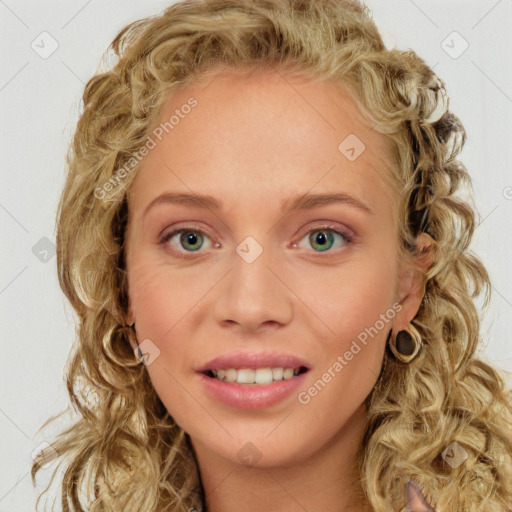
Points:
(238, 360)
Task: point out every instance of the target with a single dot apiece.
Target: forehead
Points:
(252, 137)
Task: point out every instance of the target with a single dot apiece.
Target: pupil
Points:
(191, 238)
(321, 239)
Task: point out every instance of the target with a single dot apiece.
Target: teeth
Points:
(277, 373)
(245, 376)
(288, 373)
(255, 376)
(263, 376)
(230, 375)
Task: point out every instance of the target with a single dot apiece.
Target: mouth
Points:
(255, 376)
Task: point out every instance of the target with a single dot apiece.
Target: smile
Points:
(250, 388)
(256, 376)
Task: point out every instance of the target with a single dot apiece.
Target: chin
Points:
(259, 448)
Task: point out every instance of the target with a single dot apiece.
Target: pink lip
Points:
(238, 360)
(250, 396)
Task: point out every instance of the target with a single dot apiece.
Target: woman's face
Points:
(252, 275)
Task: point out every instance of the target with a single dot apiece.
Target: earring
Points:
(406, 345)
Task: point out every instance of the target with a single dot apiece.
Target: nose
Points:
(253, 296)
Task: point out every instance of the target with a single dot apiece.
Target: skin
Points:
(254, 142)
(416, 501)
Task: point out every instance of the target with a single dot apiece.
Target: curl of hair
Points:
(126, 452)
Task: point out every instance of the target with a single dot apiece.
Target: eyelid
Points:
(184, 226)
(327, 225)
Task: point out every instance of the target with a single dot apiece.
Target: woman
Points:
(314, 347)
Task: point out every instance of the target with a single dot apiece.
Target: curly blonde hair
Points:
(125, 452)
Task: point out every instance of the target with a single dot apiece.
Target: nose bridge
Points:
(252, 262)
(252, 295)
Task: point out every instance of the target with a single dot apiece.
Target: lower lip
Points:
(251, 396)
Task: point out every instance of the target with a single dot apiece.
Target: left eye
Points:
(324, 238)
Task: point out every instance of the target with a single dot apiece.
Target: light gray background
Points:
(40, 98)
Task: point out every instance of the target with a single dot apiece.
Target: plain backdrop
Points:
(467, 42)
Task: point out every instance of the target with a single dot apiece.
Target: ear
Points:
(128, 316)
(129, 319)
(411, 280)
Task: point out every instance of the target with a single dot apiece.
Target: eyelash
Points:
(167, 236)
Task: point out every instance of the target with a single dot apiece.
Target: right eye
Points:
(191, 239)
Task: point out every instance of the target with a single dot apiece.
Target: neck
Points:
(327, 480)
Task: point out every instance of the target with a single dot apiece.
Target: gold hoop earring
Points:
(406, 345)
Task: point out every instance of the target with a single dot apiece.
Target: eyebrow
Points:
(301, 202)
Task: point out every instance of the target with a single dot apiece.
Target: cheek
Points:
(160, 294)
(165, 300)
(350, 297)
(354, 305)
(160, 299)
(149, 296)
